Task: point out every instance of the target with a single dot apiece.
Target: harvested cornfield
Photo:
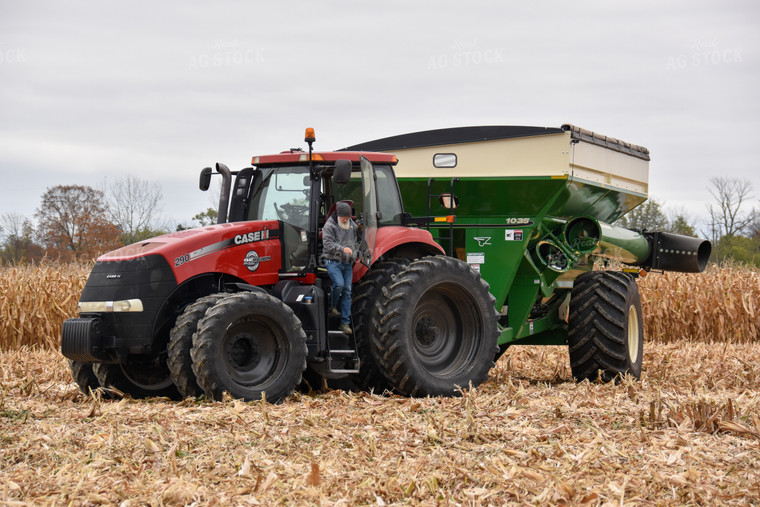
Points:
(687, 434)
(721, 304)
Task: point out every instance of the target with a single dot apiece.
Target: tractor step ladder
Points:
(344, 353)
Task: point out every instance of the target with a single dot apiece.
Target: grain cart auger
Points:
(240, 306)
(531, 209)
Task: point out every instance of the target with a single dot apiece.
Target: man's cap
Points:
(343, 209)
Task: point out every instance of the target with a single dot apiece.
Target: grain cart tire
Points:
(181, 341)
(249, 344)
(436, 328)
(605, 326)
(85, 378)
(366, 294)
(139, 380)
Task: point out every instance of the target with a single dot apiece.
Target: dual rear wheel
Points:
(435, 328)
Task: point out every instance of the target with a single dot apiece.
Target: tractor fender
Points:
(408, 242)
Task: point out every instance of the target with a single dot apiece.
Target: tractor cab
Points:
(300, 190)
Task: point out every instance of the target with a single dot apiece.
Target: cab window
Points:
(389, 200)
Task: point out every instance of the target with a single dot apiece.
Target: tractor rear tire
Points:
(249, 344)
(367, 292)
(436, 328)
(139, 380)
(181, 341)
(605, 326)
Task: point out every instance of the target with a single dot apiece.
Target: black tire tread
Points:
(597, 335)
(363, 310)
(210, 328)
(179, 361)
(84, 377)
(393, 358)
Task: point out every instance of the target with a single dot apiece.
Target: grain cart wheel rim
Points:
(181, 341)
(634, 341)
(139, 380)
(605, 328)
(249, 344)
(435, 328)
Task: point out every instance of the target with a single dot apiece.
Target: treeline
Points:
(79, 223)
(733, 224)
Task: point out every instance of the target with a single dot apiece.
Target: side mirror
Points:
(342, 172)
(205, 180)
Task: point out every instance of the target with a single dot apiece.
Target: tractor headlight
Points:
(124, 305)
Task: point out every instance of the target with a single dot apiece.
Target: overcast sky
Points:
(93, 91)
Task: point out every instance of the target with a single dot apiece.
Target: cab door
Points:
(369, 218)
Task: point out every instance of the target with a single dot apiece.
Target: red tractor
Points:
(240, 307)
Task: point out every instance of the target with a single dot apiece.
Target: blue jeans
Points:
(341, 274)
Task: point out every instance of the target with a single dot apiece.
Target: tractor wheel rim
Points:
(252, 352)
(445, 330)
(146, 376)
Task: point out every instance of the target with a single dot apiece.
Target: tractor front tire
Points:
(436, 328)
(139, 380)
(605, 326)
(181, 341)
(249, 344)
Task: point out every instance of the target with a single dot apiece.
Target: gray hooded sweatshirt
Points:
(335, 238)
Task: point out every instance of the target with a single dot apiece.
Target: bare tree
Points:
(72, 222)
(11, 224)
(727, 215)
(134, 206)
(16, 239)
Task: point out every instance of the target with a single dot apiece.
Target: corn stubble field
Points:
(687, 433)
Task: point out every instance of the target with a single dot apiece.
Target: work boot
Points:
(345, 329)
(334, 312)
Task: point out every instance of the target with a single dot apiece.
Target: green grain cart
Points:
(530, 209)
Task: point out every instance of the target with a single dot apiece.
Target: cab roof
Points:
(302, 157)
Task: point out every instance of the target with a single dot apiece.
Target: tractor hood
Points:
(251, 250)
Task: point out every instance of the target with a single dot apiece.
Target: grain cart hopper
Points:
(531, 209)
